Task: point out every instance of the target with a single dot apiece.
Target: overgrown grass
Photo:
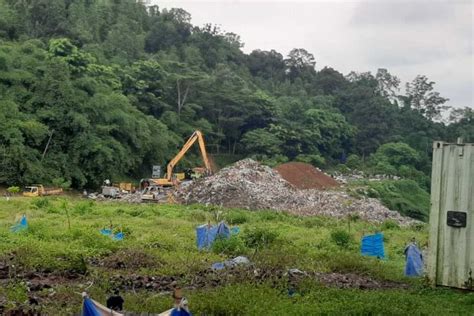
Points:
(404, 196)
(164, 236)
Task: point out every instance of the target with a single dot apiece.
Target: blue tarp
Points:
(108, 232)
(205, 234)
(180, 312)
(372, 245)
(22, 225)
(414, 261)
(89, 308)
(118, 236)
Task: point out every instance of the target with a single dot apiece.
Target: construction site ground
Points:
(300, 268)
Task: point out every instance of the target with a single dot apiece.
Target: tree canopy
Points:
(94, 89)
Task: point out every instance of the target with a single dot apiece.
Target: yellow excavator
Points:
(170, 178)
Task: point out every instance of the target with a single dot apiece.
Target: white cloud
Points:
(433, 38)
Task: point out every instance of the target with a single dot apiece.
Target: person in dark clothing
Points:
(115, 302)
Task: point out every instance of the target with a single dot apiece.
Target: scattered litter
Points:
(109, 233)
(218, 266)
(234, 230)
(372, 245)
(118, 236)
(106, 232)
(296, 271)
(414, 261)
(240, 260)
(250, 185)
(21, 226)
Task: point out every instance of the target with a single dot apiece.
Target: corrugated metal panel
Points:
(451, 257)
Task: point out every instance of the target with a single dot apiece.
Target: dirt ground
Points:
(305, 176)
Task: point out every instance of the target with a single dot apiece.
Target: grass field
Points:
(64, 249)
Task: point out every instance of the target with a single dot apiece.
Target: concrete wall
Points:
(451, 254)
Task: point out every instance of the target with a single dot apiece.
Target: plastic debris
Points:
(372, 245)
(206, 234)
(21, 226)
(414, 261)
(240, 260)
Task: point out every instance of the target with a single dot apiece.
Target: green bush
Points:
(61, 183)
(84, 207)
(341, 238)
(259, 237)
(13, 189)
(236, 218)
(40, 203)
(232, 246)
(354, 162)
(390, 224)
(315, 160)
(404, 196)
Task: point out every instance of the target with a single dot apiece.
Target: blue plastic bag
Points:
(414, 261)
(22, 225)
(118, 236)
(106, 232)
(372, 245)
(234, 230)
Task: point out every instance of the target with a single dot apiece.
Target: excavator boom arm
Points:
(197, 135)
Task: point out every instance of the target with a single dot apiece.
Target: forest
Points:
(96, 89)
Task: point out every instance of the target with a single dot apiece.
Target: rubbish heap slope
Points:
(250, 185)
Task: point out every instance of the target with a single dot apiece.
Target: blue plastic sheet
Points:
(234, 230)
(414, 261)
(106, 232)
(89, 308)
(118, 236)
(205, 234)
(180, 312)
(22, 225)
(372, 245)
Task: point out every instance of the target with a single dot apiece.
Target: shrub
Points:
(231, 246)
(259, 237)
(311, 222)
(341, 238)
(390, 224)
(354, 161)
(404, 196)
(40, 203)
(13, 189)
(61, 183)
(315, 160)
(236, 218)
(82, 208)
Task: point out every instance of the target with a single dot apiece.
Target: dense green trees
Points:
(93, 89)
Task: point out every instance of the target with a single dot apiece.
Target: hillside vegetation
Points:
(62, 253)
(95, 89)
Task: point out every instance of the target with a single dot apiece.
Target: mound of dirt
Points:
(250, 185)
(305, 176)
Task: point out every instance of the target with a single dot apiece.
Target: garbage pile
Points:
(355, 175)
(122, 196)
(250, 185)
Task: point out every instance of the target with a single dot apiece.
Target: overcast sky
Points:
(428, 37)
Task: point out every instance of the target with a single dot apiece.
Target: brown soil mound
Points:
(305, 176)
